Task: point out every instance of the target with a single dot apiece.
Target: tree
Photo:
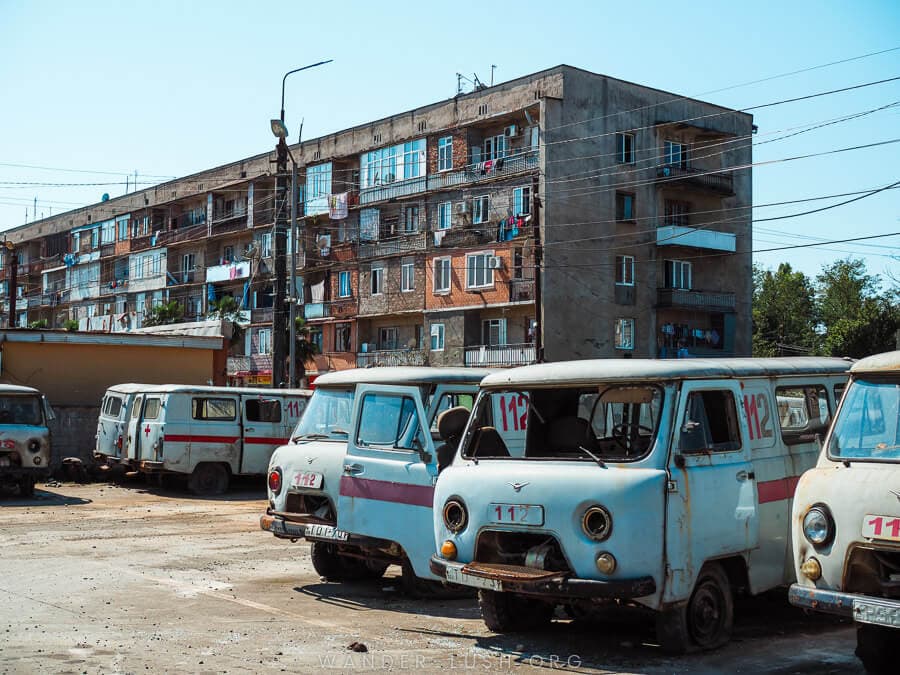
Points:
(841, 289)
(784, 313)
(164, 314)
(227, 308)
(304, 348)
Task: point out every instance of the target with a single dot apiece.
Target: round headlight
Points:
(818, 527)
(34, 445)
(275, 480)
(455, 515)
(597, 523)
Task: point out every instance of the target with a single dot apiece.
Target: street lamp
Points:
(280, 244)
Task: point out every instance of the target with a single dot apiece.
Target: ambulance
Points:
(115, 409)
(663, 483)
(846, 517)
(25, 417)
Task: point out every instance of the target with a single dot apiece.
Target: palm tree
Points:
(304, 349)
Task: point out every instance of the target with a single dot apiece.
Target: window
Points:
(803, 412)
(227, 254)
(122, 224)
(108, 232)
(318, 181)
(264, 341)
(315, 337)
(480, 208)
(867, 427)
(624, 270)
(369, 224)
(445, 153)
(624, 333)
(625, 148)
(624, 206)
(675, 154)
(342, 337)
(388, 338)
(494, 147)
(518, 263)
(445, 213)
(710, 423)
(407, 275)
(151, 409)
(388, 421)
(478, 274)
(188, 262)
(411, 219)
(344, 290)
(265, 245)
(678, 274)
(437, 337)
(521, 201)
(213, 409)
(95, 238)
(113, 406)
(377, 285)
(442, 275)
(676, 212)
(263, 410)
(398, 162)
(493, 332)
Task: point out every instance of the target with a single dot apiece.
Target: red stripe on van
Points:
(261, 440)
(188, 438)
(777, 490)
(386, 491)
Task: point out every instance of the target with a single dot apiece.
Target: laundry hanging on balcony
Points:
(510, 228)
(337, 206)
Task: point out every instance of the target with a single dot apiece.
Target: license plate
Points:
(457, 576)
(308, 479)
(877, 613)
(516, 514)
(325, 532)
(881, 527)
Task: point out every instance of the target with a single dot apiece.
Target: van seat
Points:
(489, 443)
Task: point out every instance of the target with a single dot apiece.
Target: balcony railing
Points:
(521, 290)
(475, 173)
(256, 364)
(695, 237)
(721, 182)
(500, 355)
(403, 188)
(705, 300)
(261, 315)
(393, 246)
(228, 271)
(392, 357)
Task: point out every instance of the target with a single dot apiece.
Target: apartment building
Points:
(418, 235)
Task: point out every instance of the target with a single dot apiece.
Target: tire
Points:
(508, 613)
(26, 487)
(327, 562)
(208, 479)
(361, 570)
(705, 621)
(872, 647)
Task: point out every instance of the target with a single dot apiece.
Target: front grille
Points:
(873, 571)
(316, 505)
(522, 549)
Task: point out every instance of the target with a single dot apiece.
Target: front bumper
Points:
(559, 586)
(861, 608)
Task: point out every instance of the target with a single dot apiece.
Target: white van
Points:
(209, 433)
(115, 409)
(25, 456)
(663, 483)
(846, 518)
(358, 477)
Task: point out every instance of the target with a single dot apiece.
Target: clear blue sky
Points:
(169, 88)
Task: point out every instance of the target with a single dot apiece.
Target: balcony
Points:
(709, 301)
(228, 272)
(381, 193)
(184, 234)
(256, 364)
(391, 357)
(713, 180)
(521, 290)
(695, 237)
(261, 315)
(476, 173)
(182, 277)
(393, 246)
(500, 355)
(314, 310)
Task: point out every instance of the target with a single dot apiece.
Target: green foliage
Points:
(304, 349)
(164, 314)
(40, 323)
(226, 307)
(784, 312)
(71, 325)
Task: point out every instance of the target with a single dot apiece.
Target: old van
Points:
(25, 456)
(115, 409)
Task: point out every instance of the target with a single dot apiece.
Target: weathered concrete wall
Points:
(73, 433)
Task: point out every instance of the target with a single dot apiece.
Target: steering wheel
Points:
(625, 433)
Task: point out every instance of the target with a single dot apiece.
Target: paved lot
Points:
(131, 579)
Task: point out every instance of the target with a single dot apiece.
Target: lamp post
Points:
(280, 243)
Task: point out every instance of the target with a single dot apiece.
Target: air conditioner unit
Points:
(511, 130)
(495, 263)
(461, 208)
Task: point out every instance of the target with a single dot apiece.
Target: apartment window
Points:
(108, 232)
(522, 201)
(95, 238)
(493, 332)
(315, 337)
(318, 181)
(494, 148)
(675, 154)
(344, 290)
(478, 274)
(264, 341)
(342, 337)
(407, 275)
(388, 338)
(437, 337)
(625, 148)
(518, 263)
(624, 207)
(480, 207)
(122, 224)
(445, 153)
(411, 219)
(187, 268)
(624, 333)
(678, 274)
(398, 162)
(624, 270)
(265, 244)
(377, 280)
(369, 224)
(227, 254)
(442, 275)
(445, 213)
(413, 159)
(676, 212)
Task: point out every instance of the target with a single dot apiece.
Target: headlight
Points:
(455, 515)
(597, 523)
(818, 525)
(275, 480)
(34, 445)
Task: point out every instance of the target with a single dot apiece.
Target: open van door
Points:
(132, 424)
(263, 420)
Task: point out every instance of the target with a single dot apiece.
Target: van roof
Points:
(130, 387)
(403, 375)
(602, 370)
(17, 389)
(878, 363)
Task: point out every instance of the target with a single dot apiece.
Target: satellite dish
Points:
(105, 197)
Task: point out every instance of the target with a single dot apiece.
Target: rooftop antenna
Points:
(493, 68)
(478, 83)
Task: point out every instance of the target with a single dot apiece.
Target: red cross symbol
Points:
(147, 431)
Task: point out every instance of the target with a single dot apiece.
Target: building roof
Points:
(16, 389)
(889, 361)
(401, 375)
(99, 338)
(605, 370)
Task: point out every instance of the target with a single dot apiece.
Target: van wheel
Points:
(328, 563)
(705, 621)
(508, 613)
(26, 487)
(208, 479)
(363, 570)
(872, 647)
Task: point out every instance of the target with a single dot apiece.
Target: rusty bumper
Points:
(540, 582)
(290, 526)
(862, 608)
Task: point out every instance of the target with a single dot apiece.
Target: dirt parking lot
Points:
(130, 579)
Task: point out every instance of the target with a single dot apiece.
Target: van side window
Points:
(449, 400)
(388, 421)
(803, 412)
(263, 410)
(151, 409)
(136, 408)
(221, 409)
(113, 406)
(839, 392)
(710, 423)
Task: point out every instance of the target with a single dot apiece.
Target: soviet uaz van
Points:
(25, 456)
(115, 409)
(662, 483)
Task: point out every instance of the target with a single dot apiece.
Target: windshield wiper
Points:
(310, 437)
(339, 431)
(594, 457)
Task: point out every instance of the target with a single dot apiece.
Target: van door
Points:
(712, 497)
(387, 487)
(263, 422)
(215, 433)
(152, 420)
(132, 439)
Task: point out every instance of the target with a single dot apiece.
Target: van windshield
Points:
(868, 424)
(21, 410)
(607, 422)
(327, 416)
